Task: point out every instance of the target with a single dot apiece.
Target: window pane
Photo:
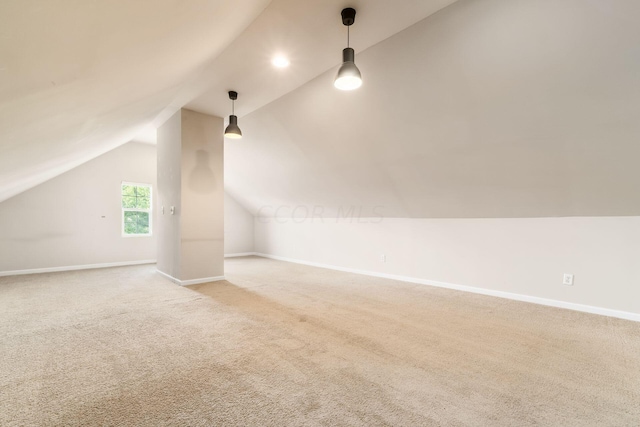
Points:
(130, 221)
(143, 223)
(128, 201)
(128, 190)
(143, 203)
(128, 196)
(144, 197)
(143, 192)
(136, 196)
(136, 223)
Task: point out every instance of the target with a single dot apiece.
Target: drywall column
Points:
(169, 149)
(191, 195)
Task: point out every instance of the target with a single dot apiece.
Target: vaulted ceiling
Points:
(78, 78)
(487, 108)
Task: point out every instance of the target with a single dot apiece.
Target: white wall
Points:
(75, 218)
(521, 255)
(238, 227)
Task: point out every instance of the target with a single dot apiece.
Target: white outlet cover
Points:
(567, 279)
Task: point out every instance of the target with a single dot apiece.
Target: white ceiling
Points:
(489, 108)
(311, 34)
(78, 78)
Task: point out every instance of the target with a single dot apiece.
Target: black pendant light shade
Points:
(233, 131)
(348, 77)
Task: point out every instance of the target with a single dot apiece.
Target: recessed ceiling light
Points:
(280, 61)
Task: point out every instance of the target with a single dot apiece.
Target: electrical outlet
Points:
(567, 279)
(383, 258)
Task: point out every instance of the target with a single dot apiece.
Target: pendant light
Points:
(233, 131)
(348, 77)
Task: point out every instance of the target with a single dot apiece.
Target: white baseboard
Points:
(191, 281)
(500, 294)
(75, 267)
(239, 254)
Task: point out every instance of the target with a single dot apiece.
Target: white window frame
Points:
(149, 211)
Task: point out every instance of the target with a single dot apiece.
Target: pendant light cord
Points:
(233, 107)
(348, 36)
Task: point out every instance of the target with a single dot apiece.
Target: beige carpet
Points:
(287, 345)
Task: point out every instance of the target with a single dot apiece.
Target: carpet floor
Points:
(281, 344)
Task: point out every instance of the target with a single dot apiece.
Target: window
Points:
(136, 209)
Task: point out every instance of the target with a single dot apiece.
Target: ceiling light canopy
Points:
(233, 131)
(348, 77)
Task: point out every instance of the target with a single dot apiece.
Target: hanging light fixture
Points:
(348, 77)
(233, 131)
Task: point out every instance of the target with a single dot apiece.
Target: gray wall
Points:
(191, 178)
(75, 218)
(202, 215)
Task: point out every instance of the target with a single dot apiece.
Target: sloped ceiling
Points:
(489, 108)
(80, 77)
